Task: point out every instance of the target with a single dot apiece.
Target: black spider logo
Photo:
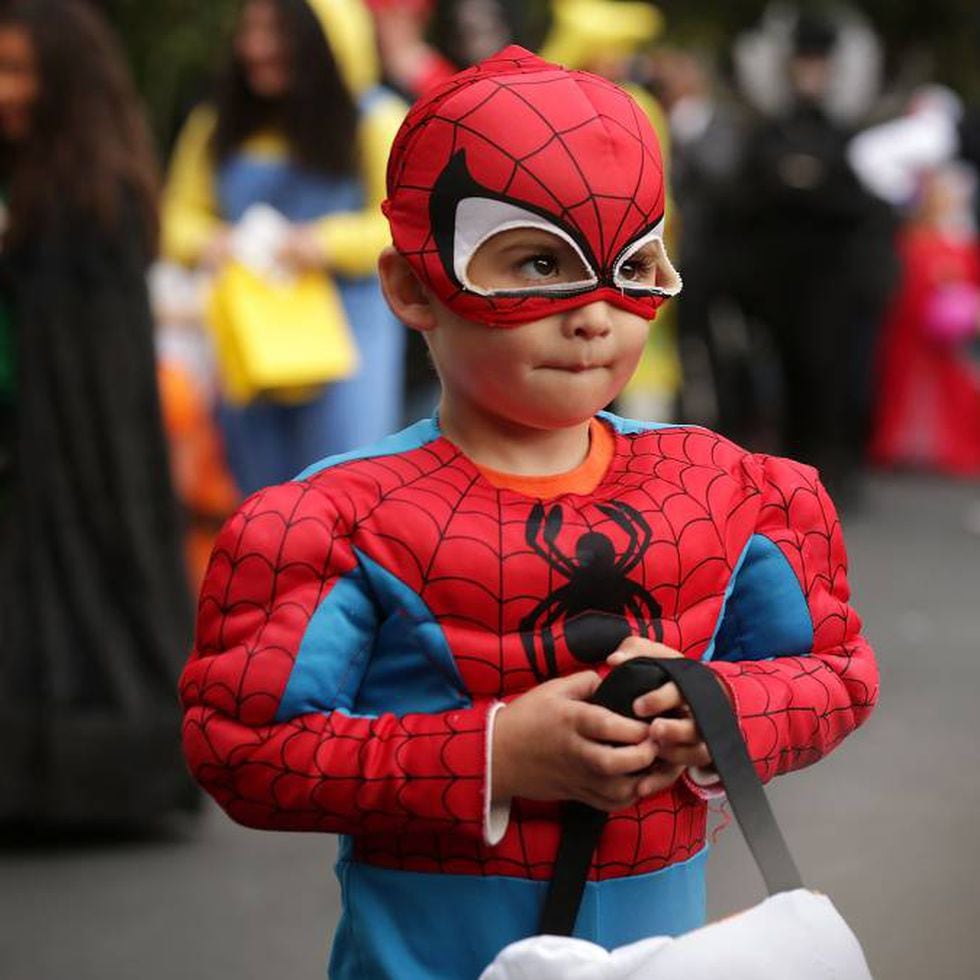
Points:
(600, 606)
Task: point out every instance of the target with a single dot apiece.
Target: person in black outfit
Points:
(94, 608)
(818, 266)
(707, 143)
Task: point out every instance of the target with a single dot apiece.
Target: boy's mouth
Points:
(576, 367)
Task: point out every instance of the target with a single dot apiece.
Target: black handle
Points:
(582, 825)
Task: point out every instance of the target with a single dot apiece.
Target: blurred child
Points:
(928, 399)
(185, 374)
(399, 646)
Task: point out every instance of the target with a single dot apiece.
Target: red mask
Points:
(517, 142)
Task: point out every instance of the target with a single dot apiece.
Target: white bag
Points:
(795, 934)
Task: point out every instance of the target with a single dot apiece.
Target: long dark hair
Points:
(89, 148)
(317, 117)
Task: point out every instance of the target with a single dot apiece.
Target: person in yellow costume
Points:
(299, 123)
(601, 36)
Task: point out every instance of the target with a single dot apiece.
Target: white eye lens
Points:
(504, 250)
(644, 267)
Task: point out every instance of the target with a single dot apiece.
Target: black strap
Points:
(582, 825)
(581, 828)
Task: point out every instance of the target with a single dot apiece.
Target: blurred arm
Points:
(352, 240)
(189, 211)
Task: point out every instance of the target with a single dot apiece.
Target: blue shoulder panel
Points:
(414, 437)
(628, 427)
(372, 646)
(411, 667)
(765, 613)
(334, 651)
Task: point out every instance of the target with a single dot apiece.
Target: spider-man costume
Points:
(359, 626)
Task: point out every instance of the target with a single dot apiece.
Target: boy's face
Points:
(518, 142)
(553, 372)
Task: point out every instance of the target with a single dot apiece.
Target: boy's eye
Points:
(632, 270)
(538, 267)
(527, 259)
(640, 269)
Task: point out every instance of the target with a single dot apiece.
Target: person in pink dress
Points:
(928, 399)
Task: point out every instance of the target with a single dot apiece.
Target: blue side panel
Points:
(709, 653)
(412, 668)
(415, 436)
(371, 647)
(418, 926)
(765, 613)
(333, 654)
(629, 427)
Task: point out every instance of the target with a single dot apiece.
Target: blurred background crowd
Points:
(189, 310)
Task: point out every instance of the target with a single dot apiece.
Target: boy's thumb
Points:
(580, 686)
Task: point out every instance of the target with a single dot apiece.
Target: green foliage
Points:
(173, 46)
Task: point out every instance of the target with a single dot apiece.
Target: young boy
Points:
(399, 646)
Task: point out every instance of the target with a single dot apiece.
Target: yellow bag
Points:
(278, 340)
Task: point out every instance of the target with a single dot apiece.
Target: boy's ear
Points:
(408, 298)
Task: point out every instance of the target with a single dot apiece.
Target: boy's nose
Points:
(589, 321)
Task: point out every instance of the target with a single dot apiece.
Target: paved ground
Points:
(887, 826)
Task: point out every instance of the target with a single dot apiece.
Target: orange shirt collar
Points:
(582, 480)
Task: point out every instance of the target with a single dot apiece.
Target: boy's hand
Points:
(677, 737)
(551, 744)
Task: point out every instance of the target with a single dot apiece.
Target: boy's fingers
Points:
(679, 741)
(608, 800)
(602, 725)
(639, 646)
(616, 794)
(658, 781)
(656, 702)
(686, 755)
(578, 687)
(674, 731)
(606, 760)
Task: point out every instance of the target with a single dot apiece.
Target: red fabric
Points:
(416, 6)
(410, 788)
(569, 146)
(928, 400)
(794, 710)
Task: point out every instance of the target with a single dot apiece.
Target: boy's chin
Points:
(565, 418)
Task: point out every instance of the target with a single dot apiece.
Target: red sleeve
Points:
(273, 564)
(794, 710)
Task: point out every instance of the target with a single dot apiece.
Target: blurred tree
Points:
(174, 48)
(940, 42)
